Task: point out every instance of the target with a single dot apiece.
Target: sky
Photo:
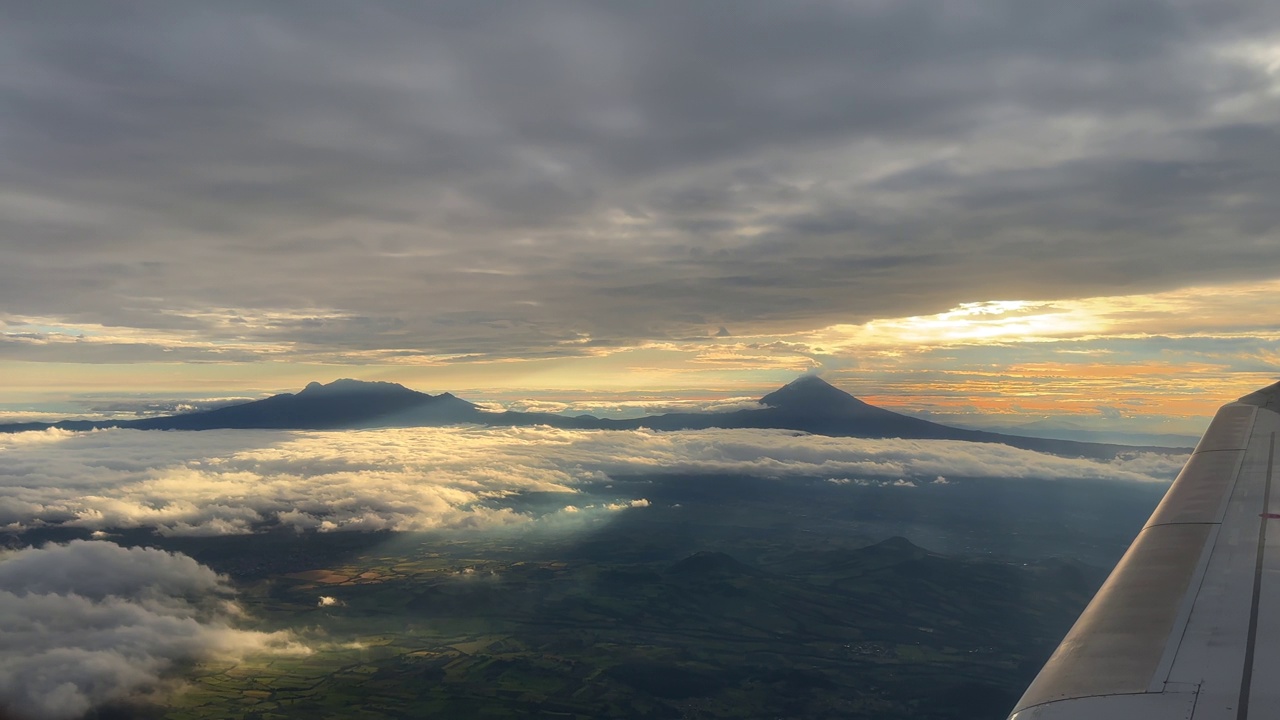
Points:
(997, 211)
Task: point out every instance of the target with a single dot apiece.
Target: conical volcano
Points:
(812, 395)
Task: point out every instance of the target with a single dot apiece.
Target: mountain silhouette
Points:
(813, 405)
(809, 404)
(811, 394)
(341, 404)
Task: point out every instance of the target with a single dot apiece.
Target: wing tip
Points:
(1267, 397)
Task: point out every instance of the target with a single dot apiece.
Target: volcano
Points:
(808, 404)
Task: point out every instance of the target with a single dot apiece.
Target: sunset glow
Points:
(1173, 355)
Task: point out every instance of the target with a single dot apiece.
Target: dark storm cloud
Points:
(541, 178)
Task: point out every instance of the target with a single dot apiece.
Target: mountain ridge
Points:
(808, 404)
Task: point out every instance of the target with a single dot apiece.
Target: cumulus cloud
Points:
(638, 503)
(92, 622)
(863, 482)
(228, 481)
(154, 407)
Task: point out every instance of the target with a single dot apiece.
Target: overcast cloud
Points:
(365, 181)
(231, 482)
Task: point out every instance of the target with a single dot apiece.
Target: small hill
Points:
(893, 551)
(896, 547)
(709, 563)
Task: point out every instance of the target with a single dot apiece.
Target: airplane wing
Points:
(1188, 624)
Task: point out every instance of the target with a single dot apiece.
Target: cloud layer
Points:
(90, 622)
(225, 482)
(375, 181)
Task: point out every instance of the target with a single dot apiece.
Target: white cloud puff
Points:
(235, 481)
(91, 622)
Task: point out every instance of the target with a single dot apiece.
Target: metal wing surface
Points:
(1188, 624)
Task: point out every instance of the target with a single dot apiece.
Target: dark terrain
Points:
(729, 597)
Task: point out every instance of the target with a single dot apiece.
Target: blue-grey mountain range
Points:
(808, 404)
